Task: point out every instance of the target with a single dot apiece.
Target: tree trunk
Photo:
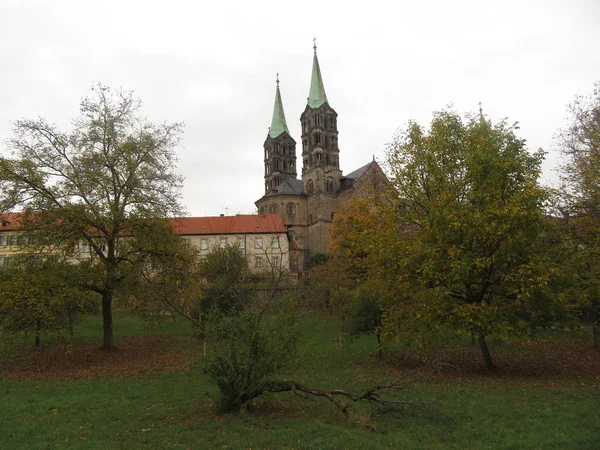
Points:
(379, 351)
(109, 342)
(595, 334)
(38, 327)
(485, 352)
(70, 315)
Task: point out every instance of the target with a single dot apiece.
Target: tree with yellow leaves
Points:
(462, 243)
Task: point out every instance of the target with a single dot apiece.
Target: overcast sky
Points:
(212, 65)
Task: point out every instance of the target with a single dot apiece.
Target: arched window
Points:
(273, 209)
(310, 187)
(310, 218)
(329, 185)
(290, 209)
(332, 215)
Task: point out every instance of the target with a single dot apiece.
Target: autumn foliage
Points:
(460, 245)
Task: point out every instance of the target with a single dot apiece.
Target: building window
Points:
(310, 187)
(290, 210)
(223, 242)
(332, 215)
(5, 261)
(310, 218)
(275, 242)
(258, 243)
(242, 242)
(204, 244)
(329, 185)
(276, 261)
(258, 261)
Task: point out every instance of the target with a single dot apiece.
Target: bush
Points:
(249, 350)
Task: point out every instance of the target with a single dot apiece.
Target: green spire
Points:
(316, 96)
(278, 124)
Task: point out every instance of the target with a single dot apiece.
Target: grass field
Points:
(152, 393)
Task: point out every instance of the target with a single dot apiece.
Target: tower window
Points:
(290, 210)
(318, 138)
(330, 185)
(310, 187)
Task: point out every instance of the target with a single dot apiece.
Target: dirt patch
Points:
(134, 355)
(536, 362)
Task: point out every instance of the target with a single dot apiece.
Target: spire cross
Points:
(315, 44)
(277, 81)
(480, 110)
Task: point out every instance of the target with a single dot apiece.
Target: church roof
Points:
(278, 123)
(289, 186)
(316, 96)
(358, 172)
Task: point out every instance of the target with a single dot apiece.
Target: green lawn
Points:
(177, 409)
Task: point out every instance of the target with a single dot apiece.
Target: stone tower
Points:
(321, 172)
(280, 148)
(320, 153)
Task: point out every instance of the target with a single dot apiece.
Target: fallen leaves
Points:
(537, 362)
(134, 355)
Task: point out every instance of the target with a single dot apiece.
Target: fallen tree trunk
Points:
(343, 399)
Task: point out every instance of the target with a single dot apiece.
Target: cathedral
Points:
(308, 205)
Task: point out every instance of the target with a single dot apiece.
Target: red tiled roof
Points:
(239, 224)
(10, 221)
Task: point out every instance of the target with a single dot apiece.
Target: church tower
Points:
(280, 148)
(320, 153)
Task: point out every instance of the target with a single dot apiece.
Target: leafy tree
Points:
(323, 283)
(580, 144)
(168, 281)
(462, 244)
(364, 314)
(475, 212)
(228, 288)
(96, 185)
(40, 295)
